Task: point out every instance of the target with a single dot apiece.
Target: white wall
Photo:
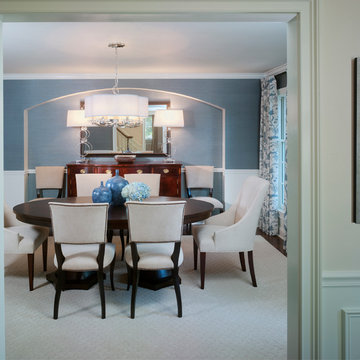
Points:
(339, 27)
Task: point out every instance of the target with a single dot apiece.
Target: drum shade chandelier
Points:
(122, 110)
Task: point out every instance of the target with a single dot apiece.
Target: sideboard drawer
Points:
(137, 170)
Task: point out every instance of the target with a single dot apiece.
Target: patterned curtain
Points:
(269, 155)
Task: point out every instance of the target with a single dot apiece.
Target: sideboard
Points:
(170, 180)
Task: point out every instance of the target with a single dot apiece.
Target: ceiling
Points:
(151, 48)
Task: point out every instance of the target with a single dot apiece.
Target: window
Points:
(282, 145)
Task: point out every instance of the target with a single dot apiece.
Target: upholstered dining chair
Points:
(80, 244)
(233, 230)
(20, 238)
(155, 242)
(202, 177)
(153, 180)
(49, 178)
(86, 183)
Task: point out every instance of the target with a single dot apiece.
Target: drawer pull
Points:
(139, 171)
(108, 171)
(82, 171)
(166, 171)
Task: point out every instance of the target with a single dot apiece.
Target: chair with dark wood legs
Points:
(20, 238)
(80, 244)
(155, 231)
(233, 230)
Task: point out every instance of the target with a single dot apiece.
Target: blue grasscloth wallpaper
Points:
(199, 142)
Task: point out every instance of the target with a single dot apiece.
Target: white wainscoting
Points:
(14, 187)
(340, 307)
(234, 178)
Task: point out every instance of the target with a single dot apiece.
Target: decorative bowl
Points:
(125, 158)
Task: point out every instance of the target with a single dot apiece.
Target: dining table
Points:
(38, 213)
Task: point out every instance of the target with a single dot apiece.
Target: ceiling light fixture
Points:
(122, 110)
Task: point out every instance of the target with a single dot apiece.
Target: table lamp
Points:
(169, 118)
(76, 118)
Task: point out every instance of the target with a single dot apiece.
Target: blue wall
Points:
(199, 142)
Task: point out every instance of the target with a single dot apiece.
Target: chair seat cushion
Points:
(153, 256)
(33, 236)
(217, 204)
(204, 236)
(83, 257)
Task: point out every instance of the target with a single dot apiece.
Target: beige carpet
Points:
(228, 320)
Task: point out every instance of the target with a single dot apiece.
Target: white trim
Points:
(348, 318)
(135, 76)
(241, 172)
(340, 279)
(276, 70)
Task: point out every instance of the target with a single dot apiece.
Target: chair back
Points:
(86, 183)
(155, 221)
(251, 198)
(199, 176)
(9, 217)
(153, 180)
(49, 178)
(79, 223)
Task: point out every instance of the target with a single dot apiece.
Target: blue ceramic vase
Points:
(116, 184)
(101, 194)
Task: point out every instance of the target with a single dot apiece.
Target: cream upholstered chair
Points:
(49, 178)
(86, 183)
(155, 242)
(202, 177)
(235, 229)
(80, 244)
(20, 238)
(153, 180)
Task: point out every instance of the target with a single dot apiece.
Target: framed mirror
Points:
(145, 140)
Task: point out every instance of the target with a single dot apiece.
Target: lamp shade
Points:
(170, 118)
(116, 106)
(76, 118)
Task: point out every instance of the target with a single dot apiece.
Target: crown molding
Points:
(134, 76)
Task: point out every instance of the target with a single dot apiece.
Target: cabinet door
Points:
(170, 180)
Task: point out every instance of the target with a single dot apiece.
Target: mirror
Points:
(145, 139)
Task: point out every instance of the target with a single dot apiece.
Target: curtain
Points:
(269, 156)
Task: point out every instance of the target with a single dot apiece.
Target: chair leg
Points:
(242, 261)
(195, 247)
(31, 271)
(59, 286)
(134, 290)
(44, 254)
(112, 267)
(129, 276)
(202, 268)
(109, 235)
(122, 243)
(102, 292)
(177, 291)
(251, 267)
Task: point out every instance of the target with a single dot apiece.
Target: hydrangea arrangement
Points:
(136, 191)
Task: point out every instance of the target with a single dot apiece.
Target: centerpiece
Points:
(136, 191)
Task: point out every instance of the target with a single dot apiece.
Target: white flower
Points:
(136, 191)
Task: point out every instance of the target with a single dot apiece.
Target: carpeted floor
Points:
(229, 319)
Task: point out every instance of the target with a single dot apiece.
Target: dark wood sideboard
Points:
(170, 180)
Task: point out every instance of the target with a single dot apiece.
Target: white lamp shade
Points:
(170, 118)
(76, 118)
(116, 106)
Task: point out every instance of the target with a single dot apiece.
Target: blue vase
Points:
(116, 184)
(101, 194)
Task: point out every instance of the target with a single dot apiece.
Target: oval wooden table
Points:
(38, 213)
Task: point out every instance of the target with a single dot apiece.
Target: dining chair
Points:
(80, 244)
(153, 180)
(86, 183)
(155, 230)
(233, 230)
(20, 238)
(49, 178)
(202, 178)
